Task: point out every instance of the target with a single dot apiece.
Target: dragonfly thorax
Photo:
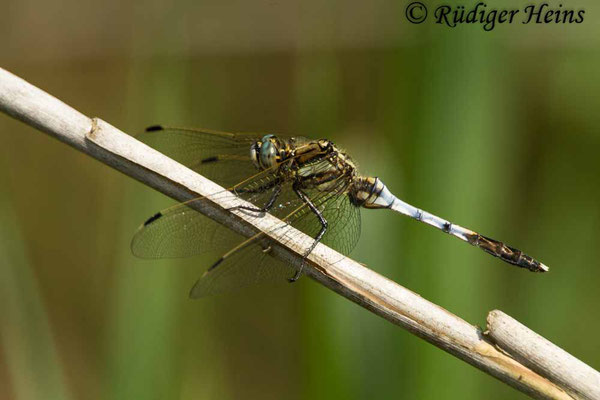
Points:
(271, 151)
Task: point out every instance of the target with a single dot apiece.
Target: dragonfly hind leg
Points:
(317, 238)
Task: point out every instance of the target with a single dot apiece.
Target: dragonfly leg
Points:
(268, 205)
(319, 236)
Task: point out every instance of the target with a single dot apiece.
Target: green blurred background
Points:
(497, 131)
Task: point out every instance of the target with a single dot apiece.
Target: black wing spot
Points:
(215, 265)
(209, 159)
(447, 227)
(153, 218)
(154, 128)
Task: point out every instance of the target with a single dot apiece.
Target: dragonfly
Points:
(312, 185)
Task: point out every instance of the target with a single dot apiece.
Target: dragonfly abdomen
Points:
(505, 252)
(374, 194)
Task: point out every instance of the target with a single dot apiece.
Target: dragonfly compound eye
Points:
(268, 154)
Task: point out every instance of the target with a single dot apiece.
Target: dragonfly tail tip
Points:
(544, 268)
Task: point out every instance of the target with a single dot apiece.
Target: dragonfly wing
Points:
(181, 231)
(246, 267)
(219, 156)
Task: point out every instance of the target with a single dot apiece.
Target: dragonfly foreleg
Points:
(267, 206)
(317, 238)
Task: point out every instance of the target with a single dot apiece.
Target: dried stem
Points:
(341, 274)
(542, 356)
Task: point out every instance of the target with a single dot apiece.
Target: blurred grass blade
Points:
(33, 365)
(144, 322)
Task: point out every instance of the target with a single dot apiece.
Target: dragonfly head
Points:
(370, 192)
(265, 153)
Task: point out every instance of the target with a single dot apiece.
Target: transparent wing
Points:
(220, 156)
(181, 231)
(249, 266)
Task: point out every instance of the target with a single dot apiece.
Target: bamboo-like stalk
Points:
(543, 356)
(341, 274)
